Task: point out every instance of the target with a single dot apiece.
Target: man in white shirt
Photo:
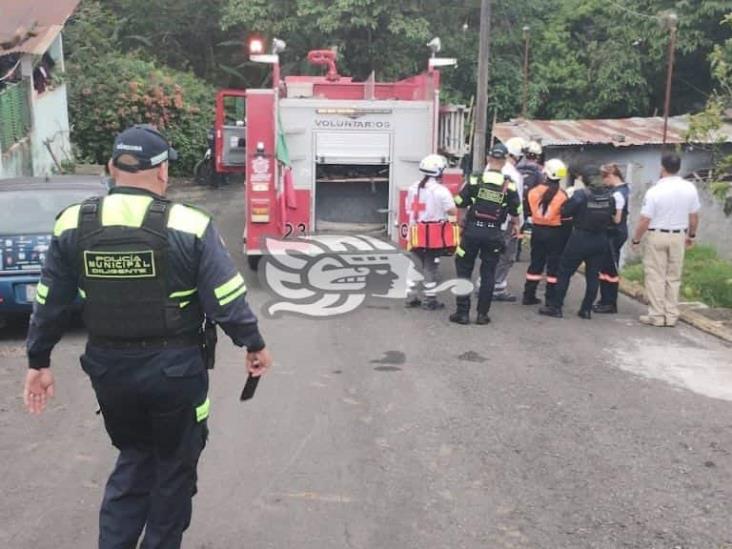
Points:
(515, 147)
(670, 214)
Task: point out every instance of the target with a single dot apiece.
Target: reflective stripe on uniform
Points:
(124, 210)
(459, 251)
(230, 290)
(202, 410)
(551, 280)
(69, 219)
(458, 199)
(82, 293)
(533, 277)
(41, 293)
(188, 220)
(183, 293)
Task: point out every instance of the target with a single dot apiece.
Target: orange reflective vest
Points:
(552, 216)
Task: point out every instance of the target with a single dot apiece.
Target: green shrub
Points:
(122, 90)
(706, 277)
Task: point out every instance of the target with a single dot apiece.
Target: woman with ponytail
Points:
(545, 204)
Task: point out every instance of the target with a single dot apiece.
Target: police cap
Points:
(141, 147)
(498, 151)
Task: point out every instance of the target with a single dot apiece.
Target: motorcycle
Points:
(204, 172)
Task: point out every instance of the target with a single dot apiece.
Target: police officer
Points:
(592, 209)
(147, 270)
(617, 235)
(490, 197)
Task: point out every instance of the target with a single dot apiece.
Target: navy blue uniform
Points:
(152, 392)
(617, 236)
(490, 198)
(587, 243)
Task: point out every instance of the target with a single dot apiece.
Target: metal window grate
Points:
(14, 114)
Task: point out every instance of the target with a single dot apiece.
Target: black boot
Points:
(483, 319)
(602, 308)
(530, 293)
(585, 313)
(551, 311)
(459, 317)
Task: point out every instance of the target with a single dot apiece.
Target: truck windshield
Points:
(34, 211)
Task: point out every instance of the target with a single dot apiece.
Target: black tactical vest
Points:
(597, 215)
(488, 209)
(123, 275)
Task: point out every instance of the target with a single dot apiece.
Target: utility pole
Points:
(526, 72)
(481, 102)
(671, 21)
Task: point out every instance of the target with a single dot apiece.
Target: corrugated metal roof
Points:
(30, 26)
(619, 132)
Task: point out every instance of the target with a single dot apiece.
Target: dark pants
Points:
(155, 407)
(490, 247)
(587, 247)
(546, 250)
(609, 277)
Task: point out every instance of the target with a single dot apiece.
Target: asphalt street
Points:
(392, 428)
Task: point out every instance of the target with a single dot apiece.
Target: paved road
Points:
(393, 429)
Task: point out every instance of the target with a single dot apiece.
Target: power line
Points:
(633, 12)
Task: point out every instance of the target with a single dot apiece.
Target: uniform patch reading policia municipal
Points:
(139, 264)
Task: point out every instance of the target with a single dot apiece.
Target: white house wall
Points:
(50, 126)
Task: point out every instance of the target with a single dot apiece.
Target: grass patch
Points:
(706, 278)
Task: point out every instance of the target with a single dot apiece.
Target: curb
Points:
(690, 316)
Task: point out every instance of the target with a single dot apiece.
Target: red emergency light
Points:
(256, 46)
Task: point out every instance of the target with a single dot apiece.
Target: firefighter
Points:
(429, 204)
(617, 235)
(532, 173)
(515, 147)
(545, 203)
(490, 198)
(147, 270)
(592, 210)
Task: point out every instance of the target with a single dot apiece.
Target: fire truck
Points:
(327, 154)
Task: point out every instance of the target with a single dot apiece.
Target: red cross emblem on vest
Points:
(417, 207)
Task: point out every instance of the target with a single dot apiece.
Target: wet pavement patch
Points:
(472, 356)
(391, 357)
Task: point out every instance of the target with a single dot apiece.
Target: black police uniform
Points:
(148, 270)
(489, 197)
(592, 210)
(609, 276)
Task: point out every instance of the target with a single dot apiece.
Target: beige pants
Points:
(663, 260)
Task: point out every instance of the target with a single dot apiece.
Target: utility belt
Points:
(672, 231)
(434, 235)
(185, 340)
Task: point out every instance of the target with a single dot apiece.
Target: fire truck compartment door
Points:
(352, 148)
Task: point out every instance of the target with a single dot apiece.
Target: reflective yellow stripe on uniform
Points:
(183, 293)
(459, 252)
(202, 410)
(188, 220)
(124, 209)
(458, 199)
(230, 290)
(69, 219)
(82, 293)
(41, 293)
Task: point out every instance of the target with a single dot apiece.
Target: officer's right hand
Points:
(259, 362)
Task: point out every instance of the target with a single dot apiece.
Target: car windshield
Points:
(34, 211)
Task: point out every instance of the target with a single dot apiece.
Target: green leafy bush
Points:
(706, 277)
(123, 90)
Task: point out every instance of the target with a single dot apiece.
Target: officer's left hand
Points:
(39, 387)
(516, 231)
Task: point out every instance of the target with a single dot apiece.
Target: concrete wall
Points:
(17, 161)
(642, 164)
(50, 130)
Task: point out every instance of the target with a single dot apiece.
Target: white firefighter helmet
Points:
(533, 148)
(516, 146)
(555, 169)
(433, 164)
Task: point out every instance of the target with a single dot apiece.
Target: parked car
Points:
(28, 209)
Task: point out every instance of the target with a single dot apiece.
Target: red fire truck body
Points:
(330, 155)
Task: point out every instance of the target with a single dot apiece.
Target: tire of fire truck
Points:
(253, 261)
